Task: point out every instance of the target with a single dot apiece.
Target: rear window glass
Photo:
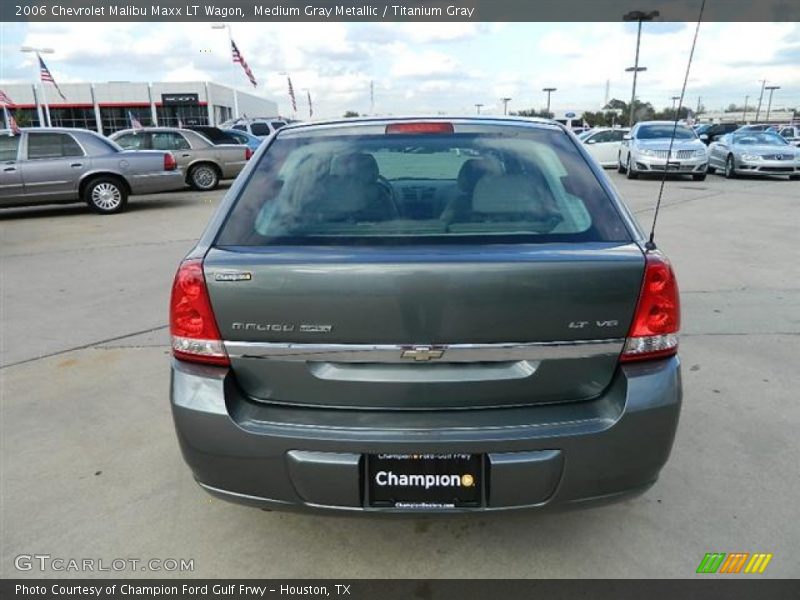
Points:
(524, 185)
(259, 128)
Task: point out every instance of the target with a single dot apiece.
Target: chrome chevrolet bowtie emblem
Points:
(421, 353)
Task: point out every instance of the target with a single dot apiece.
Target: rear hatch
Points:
(520, 291)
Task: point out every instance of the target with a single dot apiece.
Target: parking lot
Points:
(91, 467)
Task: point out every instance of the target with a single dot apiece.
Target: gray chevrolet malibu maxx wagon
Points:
(427, 315)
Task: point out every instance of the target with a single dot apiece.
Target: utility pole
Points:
(744, 114)
(637, 15)
(549, 91)
(371, 97)
(760, 98)
(478, 108)
(505, 102)
(699, 104)
(674, 100)
(771, 89)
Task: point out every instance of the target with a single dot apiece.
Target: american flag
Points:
(291, 94)
(135, 123)
(11, 122)
(238, 58)
(46, 75)
(4, 99)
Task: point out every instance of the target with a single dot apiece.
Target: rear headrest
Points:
(511, 194)
(475, 168)
(358, 166)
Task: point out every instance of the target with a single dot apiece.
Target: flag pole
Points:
(44, 92)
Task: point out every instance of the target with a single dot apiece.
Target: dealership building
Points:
(105, 107)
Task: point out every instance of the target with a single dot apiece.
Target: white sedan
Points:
(603, 144)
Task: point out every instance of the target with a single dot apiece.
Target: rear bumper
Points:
(546, 456)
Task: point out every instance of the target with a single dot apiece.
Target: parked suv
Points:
(262, 128)
(424, 316)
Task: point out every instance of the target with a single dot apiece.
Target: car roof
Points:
(471, 120)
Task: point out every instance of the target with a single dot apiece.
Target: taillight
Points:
(248, 152)
(195, 336)
(654, 332)
(169, 162)
(420, 127)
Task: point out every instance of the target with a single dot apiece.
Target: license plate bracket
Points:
(424, 481)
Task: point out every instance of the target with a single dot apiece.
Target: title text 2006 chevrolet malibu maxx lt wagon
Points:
(424, 315)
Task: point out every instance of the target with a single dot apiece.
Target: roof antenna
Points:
(651, 245)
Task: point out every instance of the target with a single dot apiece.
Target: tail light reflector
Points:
(420, 127)
(248, 153)
(169, 162)
(654, 331)
(195, 336)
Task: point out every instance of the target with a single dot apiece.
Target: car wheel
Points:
(711, 170)
(620, 166)
(631, 174)
(699, 176)
(204, 177)
(730, 169)
(105, 195)
(794, 177)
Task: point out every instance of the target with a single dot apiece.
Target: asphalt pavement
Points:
(91, 467)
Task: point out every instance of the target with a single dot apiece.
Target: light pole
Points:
(637, 15)
(478, 108)
(233, 66)
(549, 91)
(37, 66)
(505, 102)
(674, 100)
(771, 89)
(744, 114)
(760, 98)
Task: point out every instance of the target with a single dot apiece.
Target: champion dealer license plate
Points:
(424, 480)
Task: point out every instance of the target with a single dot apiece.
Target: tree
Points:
(350, 114)
(532, 112)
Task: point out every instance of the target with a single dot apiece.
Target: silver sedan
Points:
(203, 162)
(754, 153)
(59, 166)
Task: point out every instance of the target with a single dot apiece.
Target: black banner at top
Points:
(392, 10)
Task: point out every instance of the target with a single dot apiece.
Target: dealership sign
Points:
(175, 99)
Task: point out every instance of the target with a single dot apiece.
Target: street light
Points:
(505, 102)
(771, 89)
(38, 77)
(478, 108)
(637, 15)
(674, 100)
(233, 66)
(549, 91)
(760, 98)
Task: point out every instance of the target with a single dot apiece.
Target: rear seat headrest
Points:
(357, 165)
(475, 168)
(511, 194)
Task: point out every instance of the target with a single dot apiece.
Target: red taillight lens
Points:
(654, 332)
(195, 336)
(169, 162)
(248, 153)
(421, 127)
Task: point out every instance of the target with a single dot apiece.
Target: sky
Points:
(427, 67)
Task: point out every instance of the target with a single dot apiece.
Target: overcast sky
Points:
(427, 67)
